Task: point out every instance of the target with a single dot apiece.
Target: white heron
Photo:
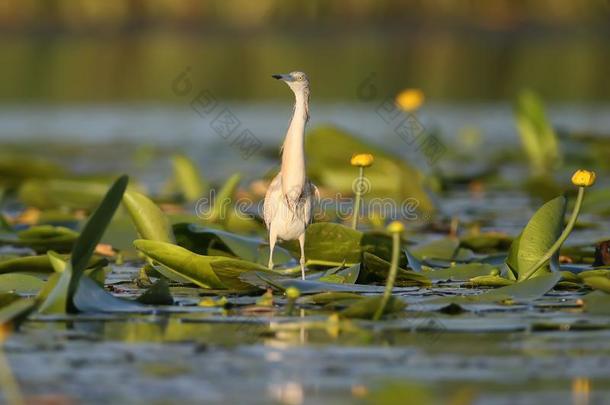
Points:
(288, 208)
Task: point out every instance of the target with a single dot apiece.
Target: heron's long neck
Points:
(293, 155)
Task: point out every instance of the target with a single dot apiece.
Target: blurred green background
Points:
(92, 51)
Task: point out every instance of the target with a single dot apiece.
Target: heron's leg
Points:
(302, 261)
(272, 240)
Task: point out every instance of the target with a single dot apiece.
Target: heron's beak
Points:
(281, 77)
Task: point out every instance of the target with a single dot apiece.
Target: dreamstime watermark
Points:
(405, 125)
(221, 119)
(338, 206)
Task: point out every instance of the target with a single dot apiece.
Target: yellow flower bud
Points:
(583, 178)
(410, 99)
(396, 227)
(292, 293)
(362, 160)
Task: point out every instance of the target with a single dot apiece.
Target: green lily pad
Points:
(390, 176)
(281, 283)
(188, 178)
(42, 238)
(487, 242)
(205, 271)
(537, 237)
(59, 299)
(55, 193)
(224, 198)
(490, 280)
(329, 297)
(20, 283)
(16, 311)
(597, 303)
(377, 269)
(329, 242)
(367, 307)
(444, 249)
(537, 135)
(216, 242)
(92, 298)
(594, 273)
(157, 294)
(460, 272)
(150, 222)
(598, 283)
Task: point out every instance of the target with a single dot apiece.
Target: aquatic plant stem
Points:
(564, 235)
(387, 293)
(356, 213)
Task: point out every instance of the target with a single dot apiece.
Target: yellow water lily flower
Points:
(396, 227)
(292, 293)
(410, 99)
(362, 160)
(583, 178)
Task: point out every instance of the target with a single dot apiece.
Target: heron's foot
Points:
(270, 265)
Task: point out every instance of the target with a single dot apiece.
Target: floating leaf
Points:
(328, 241)
(597, 303)
(38, 264)
(598, 283)
(460, 272)
(527, 290)
(329, 297)
(215, 242)
(365, 308)
(377, 269)
(157, 294)
(486, 242)
(91, 298)
(42, 238)
(20, 283)
(490, 281)
(16, 311)
(266, 280)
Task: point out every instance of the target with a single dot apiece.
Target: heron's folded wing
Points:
(272, 200)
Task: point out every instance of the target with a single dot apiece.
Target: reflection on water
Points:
(448, 63)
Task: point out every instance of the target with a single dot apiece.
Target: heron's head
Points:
(297, 81)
